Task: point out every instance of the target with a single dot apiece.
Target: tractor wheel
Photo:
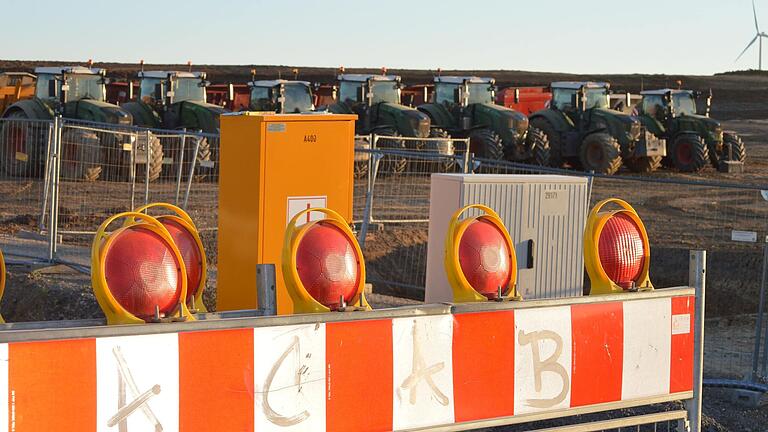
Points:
(689, 152)
(553, 137)
(600, 153)
(485, 143)
(643, 164)
(446, 150)
(22, 146)
(80, 155)
(391, 163)
(154, 157)
(733, 148)
(362, 159)
(538, 143)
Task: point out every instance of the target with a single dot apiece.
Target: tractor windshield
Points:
(446, 93)
(385, 91)
(564, 98)
(480, 93)
(597, 97)
(188, 89)
(85, 87)
(683, 104)
(298, 98)
(147, 89)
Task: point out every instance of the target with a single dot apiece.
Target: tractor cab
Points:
(464, 91)
(174, 100)
(166, 88)
(357, 89)
(669, 103)
(574, 98)
(281, 96)
(70, 84)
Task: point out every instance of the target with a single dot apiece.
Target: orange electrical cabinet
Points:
(272, 167)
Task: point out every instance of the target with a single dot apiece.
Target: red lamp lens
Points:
(327, 264)
(485, 258)
(142, 272)
(621, 250)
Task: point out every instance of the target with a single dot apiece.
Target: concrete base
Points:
(746, 398)
(731, 167)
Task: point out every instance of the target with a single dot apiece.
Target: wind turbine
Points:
(759, 35)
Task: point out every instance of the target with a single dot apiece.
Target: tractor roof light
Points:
(480, 259)
(187, 239)
(138, 273)
(616, 251)
(323, 265)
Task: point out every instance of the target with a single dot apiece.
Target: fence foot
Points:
(746, 398)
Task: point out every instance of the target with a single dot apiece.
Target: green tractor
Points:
(74, 92)
(464, 106)
(376, 99)
(695, 140)
(586, 134)
(175, 100)
(281, 96)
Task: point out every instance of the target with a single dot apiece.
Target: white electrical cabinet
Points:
(545, 216)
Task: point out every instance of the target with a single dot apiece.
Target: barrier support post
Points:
(265, 289)
(697, 269)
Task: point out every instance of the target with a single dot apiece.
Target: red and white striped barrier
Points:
(374, 372)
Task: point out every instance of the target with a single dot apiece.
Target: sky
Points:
(579, 36)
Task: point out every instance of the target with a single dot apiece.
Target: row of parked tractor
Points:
(578, 128)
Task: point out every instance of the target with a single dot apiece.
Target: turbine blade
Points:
(745, 49)
(754, 12)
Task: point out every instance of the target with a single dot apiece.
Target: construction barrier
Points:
(432, 366)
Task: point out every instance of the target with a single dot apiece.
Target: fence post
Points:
(697, 277)
(760, 312)
(132, 167)
(265, 289)
(55, 171)
(146, 166)
(47, 176)
(180, 171)
(467, 158)
(192, 164)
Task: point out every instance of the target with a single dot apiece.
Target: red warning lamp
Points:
(323, 265)
(480, 258)
(138, 274)
(187, 239)
(616, 251)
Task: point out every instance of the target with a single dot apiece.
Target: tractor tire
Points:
(391, 164)
(448, 164)
(154, 157)
(689, 153)
(553, 138)
(485, 143)
(538, 143)
(362, 159)
(80, 155)
(643, 164)
(601, 153)
(22, 147)
(733, 148)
